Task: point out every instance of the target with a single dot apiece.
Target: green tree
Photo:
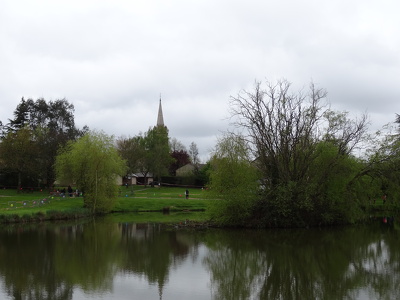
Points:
(93, 163)
(157, 157)
(383, 163)
(18, 152)
(147, 153)
(179, 154)
(52, 124)
(233, 181)
(286, 133)
(180, 159)
(202, 175)
(136, 152)
(133, 151)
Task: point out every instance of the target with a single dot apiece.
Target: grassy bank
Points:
(40, 205)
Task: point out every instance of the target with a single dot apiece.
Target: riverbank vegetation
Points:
(304, 155)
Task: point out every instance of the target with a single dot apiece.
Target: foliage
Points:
(384, 163)
(133, 151)
(326, 198)
(198, 178)
(147, 153)
(202, 175)
(51, 124)
(18, 152)
(93, 163)
(234, 180)
(303, 151)
(157, 155)
(180, 159)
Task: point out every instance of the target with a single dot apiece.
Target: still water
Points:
(104, 259)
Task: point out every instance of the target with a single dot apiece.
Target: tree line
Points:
(290, 160)
(41, 144)
(30, 141)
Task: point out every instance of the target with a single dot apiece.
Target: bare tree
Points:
(194, 153)
(176, 145)
(286, 129)
(282, 127)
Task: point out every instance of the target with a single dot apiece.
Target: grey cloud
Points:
(113, 59)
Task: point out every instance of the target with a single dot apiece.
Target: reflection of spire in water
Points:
(160, 289)
(155, 265)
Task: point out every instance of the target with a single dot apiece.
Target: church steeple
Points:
(160, 118)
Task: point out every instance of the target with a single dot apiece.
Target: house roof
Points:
(140, 175)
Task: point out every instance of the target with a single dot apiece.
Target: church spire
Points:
(160, 118)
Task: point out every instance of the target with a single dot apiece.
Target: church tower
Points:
(160, 118)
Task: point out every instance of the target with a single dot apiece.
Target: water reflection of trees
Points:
(50, 261)
(304, 264)
(86, 255)
(25, 268)
(152, 252)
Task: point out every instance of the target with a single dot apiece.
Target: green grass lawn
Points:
(155, 199)
(137, 199)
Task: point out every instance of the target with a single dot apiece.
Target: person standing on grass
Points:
(187, 194)
(70, 191)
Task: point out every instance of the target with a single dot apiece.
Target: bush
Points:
(27, 218)
(40, 216)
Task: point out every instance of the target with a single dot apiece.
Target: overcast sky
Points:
(113, 59)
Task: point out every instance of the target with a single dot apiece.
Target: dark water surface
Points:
(107, 260)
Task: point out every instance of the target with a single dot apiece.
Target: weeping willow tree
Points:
(233, 181)
(93, 164)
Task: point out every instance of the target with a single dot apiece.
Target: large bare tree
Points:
(290, 135)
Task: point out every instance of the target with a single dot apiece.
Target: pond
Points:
(104, 259)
